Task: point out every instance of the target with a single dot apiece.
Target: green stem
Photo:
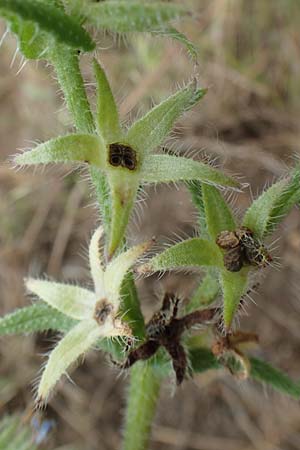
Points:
(66, 64)
(142, 400)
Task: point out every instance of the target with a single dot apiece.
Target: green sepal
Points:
(167, 168)
(123, 16)
(273, 205)
(202, 359)
(258, 215)
(234, 285)
(51, 19)
(187, 254)
(107, 117)
(35, 318)
(195, 188)
(83, 148)
(123, 189)
(150, 131)
(217, 213)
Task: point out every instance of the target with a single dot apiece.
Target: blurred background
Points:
(249, 57)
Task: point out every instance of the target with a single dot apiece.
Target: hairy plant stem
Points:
(142, 400)
(66, 64)
(144, 384)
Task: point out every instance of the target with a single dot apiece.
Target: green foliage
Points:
(265, 373)
(129, 16)
(217, 213)
(203, 359)
(268, 210)
(190, 253)
(35, 318)
(32, 17)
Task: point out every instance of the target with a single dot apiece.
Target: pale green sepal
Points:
(234, 286)
(118, 267)
(35, 318)
(75, 343)
(107, 117)
(150, 131)
(95, 258)
(130, 16)
(167, 168)
(71, 148)
(190, 253)
(217, 212)
(74, 301)
(258, 214)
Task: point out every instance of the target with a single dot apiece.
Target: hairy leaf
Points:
(271, 207)
(264, 372)
(167, 168)
(234, 285)
(107, 113)
(217, 212)
(123, 16)
(195, 188)
(35, 318)
(190, 253)
(172, 33)
(203, 359)
(51, 19)
(150, 131)
(71, 148)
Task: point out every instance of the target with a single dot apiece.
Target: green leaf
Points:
(123, 16)
(107, 113)
(50, 19)
(190, 253)
(203, 359)
(258, 215)
(167, 168)
(234, 285)
(180, 37)
(130, 309)
(150, 131)
(273, 205)
(35, 318)
(217, 212)
(33, 44)
(195, 188)
(66, 65)
(264, 372)
(71, 148)
(289, 198)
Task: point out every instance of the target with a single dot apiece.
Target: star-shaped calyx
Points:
(96, 311)
(125, 156)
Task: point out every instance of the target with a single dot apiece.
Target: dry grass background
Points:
(249, 122)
